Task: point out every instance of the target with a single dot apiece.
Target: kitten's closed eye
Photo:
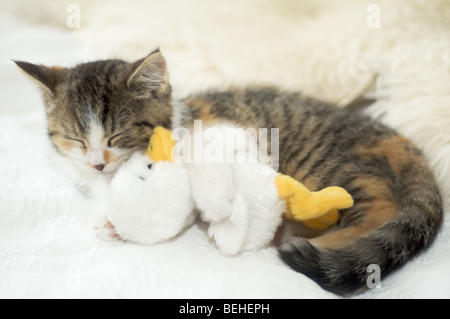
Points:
(66, 143)
(113, 139)
(78, 142)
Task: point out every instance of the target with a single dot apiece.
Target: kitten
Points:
(100, 113)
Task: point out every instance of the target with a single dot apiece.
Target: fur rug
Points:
(395, 51)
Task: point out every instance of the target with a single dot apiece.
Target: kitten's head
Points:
(100, 113)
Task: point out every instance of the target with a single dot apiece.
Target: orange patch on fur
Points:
(204, 109)
(205, 114)
(341, 238)
(395, 149)
(106, 157)
(378, 211)
(109, 157)
(64, 144)
(382, 206)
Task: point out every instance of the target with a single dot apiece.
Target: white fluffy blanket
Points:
(397, 51)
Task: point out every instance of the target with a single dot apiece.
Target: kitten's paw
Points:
(106, 232)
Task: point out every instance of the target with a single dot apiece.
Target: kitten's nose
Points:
(99, 167)
(96, 158)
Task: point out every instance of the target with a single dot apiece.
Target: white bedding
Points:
(46, 248)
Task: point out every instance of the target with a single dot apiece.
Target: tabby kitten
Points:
(100, 113)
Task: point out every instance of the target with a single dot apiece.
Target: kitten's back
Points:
(398, 209)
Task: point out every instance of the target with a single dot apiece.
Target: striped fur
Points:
(397, 211)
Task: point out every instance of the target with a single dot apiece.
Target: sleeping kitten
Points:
(100, 113)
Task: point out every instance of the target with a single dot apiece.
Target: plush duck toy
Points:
(156, 197)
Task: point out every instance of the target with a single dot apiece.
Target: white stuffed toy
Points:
(155, 196)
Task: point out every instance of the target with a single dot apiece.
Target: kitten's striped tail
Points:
(344, 267)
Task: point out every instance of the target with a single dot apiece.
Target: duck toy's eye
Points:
(149, 166)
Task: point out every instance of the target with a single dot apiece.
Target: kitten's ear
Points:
(149, 74)
(48, 77)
